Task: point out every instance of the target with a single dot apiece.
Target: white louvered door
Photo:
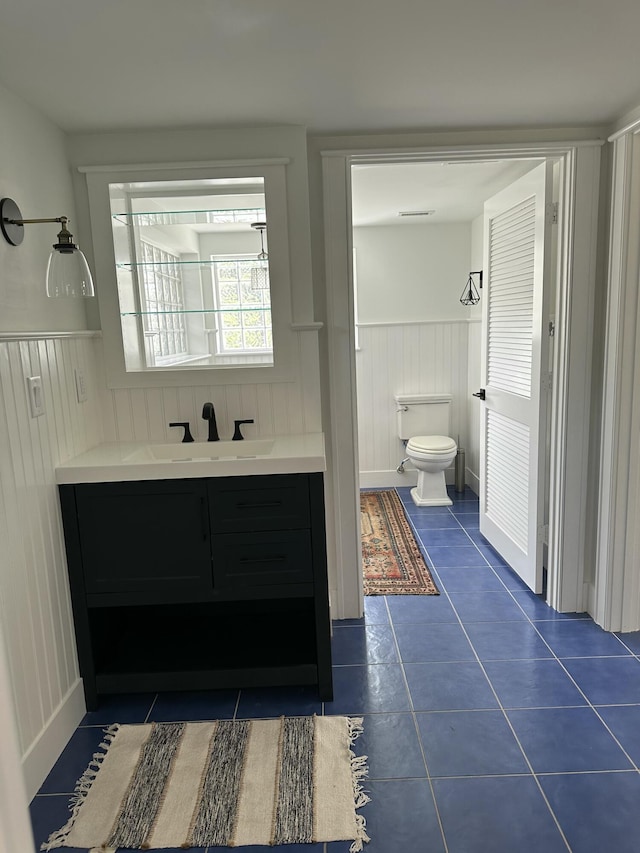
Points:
(516, 264)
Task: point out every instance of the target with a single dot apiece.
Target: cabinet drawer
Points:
(274, 502)
(259, 559)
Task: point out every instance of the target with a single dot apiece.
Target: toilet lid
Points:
(431, 443)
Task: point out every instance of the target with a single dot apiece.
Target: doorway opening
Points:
(578, 192)
(419, 230)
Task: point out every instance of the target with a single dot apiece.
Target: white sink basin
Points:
(203, 450)
(114, 462)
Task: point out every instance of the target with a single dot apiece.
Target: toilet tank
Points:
(423, 414)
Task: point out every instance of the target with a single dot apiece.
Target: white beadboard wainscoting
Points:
(35, 608)
(144, 414)
(407, 358)
(278, 408)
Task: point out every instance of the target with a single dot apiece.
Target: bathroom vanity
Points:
(190, 573)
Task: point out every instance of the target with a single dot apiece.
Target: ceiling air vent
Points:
(416, 212)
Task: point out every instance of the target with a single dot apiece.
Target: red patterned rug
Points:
(391, 559)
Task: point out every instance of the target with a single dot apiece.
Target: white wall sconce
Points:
(470, 294)
(68, 272)
(260, 271)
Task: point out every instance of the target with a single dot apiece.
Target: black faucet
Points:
(208, 413)
(237, 435)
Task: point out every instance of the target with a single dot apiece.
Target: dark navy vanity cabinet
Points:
(199, 583)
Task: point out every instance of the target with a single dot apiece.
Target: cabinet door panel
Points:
(137, 536)
(259, 559)
(272, 502)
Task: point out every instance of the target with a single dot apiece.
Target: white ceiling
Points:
(335, 65)
(455, 192)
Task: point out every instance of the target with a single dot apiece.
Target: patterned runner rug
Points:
(292, 780)
(391, 559)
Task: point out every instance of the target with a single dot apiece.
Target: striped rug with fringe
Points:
(228, 783)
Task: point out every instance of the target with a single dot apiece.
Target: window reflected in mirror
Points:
(192, 271)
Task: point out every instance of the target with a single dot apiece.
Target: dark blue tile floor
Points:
(491, 722)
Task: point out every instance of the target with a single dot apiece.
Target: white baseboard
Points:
(472, 480)
(589, 598)
(391, 479)
(47, 747)
(387, 479)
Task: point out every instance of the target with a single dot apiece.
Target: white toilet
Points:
(424, 423)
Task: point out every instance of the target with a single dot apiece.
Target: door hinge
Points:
(543, 533)
(546, 381)
(552, 328)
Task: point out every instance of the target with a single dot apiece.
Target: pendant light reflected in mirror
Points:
(260, 270)
(470, 294)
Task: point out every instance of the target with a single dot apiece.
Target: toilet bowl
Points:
(431, 455)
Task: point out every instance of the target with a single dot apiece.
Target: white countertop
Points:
(116, 462)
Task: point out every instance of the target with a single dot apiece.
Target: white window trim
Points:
(240, 353)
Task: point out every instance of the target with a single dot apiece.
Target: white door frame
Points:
(616, 592)
(571, 370)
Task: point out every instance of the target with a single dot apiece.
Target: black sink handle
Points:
(187, 431)
(237, 435)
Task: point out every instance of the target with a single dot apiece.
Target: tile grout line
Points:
(587, 700)
(554, 656)
(508, 721)
(415, 726)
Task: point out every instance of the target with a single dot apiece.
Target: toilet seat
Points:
(436, 445)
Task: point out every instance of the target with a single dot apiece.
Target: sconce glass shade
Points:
(68, 274)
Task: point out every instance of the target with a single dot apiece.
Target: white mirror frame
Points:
(273, 172)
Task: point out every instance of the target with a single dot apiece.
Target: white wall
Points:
(278, 408)
(410, 273)
(34, 172)
(34, 589)
(413, 334)
(35, 614)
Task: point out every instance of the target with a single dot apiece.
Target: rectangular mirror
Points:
(192, 273)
